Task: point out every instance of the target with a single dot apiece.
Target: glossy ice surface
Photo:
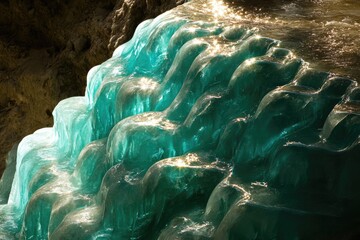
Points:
(197, 128)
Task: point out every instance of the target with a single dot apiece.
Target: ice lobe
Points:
(193, 130)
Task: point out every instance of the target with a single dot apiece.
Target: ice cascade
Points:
(194, 129)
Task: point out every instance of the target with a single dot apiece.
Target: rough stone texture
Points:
(128, 16)
(47, 48)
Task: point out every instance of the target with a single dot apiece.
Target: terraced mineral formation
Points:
(197, 128)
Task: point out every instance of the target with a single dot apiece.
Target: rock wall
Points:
(47, 48)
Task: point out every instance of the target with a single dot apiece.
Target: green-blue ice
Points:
(193, 129)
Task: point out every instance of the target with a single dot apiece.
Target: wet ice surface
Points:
(325, 33)
(200, 127)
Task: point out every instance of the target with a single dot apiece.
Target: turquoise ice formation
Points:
(194, 129)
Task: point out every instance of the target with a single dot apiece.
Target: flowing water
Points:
(325, 33)
(217, 120)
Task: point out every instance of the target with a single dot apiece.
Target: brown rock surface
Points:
(47, 48)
